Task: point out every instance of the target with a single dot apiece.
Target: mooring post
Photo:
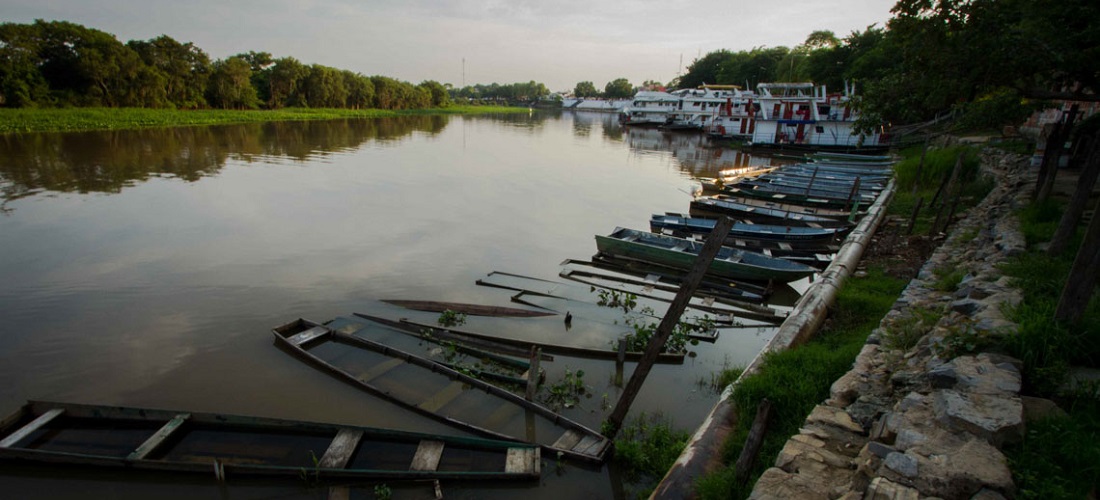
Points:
(668, 323)
(753, 442)
(920, 166)
(1083, 276)
(1072, 216)
(533, 374)
(913, 216)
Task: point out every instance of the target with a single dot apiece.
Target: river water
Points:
(146, 268)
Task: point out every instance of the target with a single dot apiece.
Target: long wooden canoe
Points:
(470, 309)
(435, 390)
(149, 439)
(767, 232)
(681, 253)
(710, 207)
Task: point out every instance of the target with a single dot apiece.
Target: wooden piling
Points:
(668, 323)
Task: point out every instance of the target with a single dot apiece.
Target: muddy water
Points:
(146, 268)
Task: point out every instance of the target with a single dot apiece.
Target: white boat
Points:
(649, 108)
(701, 108)
(802, 114)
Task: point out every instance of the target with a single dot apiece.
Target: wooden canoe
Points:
(437, 391)
(149, 439)
(681, 253)
(469, 309)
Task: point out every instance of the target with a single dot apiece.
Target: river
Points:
(146, 268)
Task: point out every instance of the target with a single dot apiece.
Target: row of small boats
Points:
(788, 221)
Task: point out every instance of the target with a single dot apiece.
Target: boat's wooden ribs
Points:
(301, 338)
(522, 461)
(159, 437)
(341, 449)
(428, 455)
(440, 399)
(380, 369)
(29, 429)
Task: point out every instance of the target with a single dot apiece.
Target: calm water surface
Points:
(146, 268)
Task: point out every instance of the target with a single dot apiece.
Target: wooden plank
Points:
(568, 440)
(159, 437)
(753, 442)
(500, 416)
(521, 461)
(427, 455)
(340, 450)
(303, 337)
(440, 399)
(29, 429)
(588, 445)
(380, 369)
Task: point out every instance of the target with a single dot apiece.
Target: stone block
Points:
(884, 489)
(997, 419)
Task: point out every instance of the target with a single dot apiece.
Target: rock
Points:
(943, 376)
(879, 450)
(980, 375)
(1036, 409)
(884, 489)
(836, 417)
(903, 464)
(995, 418)
(777, 484)
(987, 494)
(967, 306)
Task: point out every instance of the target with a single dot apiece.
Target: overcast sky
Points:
(558, 43)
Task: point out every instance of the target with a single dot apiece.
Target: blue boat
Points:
(709, 207)
(742, 230)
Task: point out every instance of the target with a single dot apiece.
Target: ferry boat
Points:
(649, 108)
(794, 115)
(698, 108)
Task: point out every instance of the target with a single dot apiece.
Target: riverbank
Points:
(28, 120)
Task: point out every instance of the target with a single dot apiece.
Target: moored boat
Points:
(677, 222)
(438, 392)
(788, 215)
(184, 441)
(681, 253)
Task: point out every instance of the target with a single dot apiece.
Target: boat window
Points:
(819, 129)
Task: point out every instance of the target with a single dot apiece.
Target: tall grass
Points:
(22, 120)
(796, 380)
(938, 166)
(1059, 456)
(646, 448)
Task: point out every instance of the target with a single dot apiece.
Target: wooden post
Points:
(1072, 216)
(664, 329)
(1046, 183)
(533, 374)
(811, 183)
(853, 195)
(1082, 276)
(620, 363)
(939, 191)
(913, 216)
(751, 449)
(920, 167)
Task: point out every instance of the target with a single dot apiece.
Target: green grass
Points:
(646, 448)
(1059, 457)
(938, 165)
(76, 119)
(798, 379)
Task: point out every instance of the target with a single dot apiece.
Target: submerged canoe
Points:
(681, 253)
(140, 438)
(435, 390)
(469, 309)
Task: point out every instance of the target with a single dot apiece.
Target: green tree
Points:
(184, 67)
(324, 88)
(440, 97)
(752, 67)
(360, 90)
(619, 88)
(21, 82)
(585, 89)
(231, 85)
(287, 75)
(704, 70)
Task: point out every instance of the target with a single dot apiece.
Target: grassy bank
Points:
(798, 379)
(1059, 456)
(78, 119)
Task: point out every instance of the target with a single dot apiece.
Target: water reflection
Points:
(108, 161)
(697, 155)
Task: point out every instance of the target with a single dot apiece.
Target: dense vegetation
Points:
(62, 64)
(992, 58)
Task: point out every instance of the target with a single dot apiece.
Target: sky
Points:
(558, 43)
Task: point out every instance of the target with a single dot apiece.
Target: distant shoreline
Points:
(34, 120)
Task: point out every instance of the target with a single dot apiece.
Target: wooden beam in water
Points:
(159, 437)
(341, 449)
(522, 461)
(29, 429)
(427, 456)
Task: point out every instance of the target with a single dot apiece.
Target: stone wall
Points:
(912, 419)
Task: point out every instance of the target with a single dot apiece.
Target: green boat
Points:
(680, 253)
(184, 441)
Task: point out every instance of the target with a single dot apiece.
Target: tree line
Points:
(58, 63)
(994, 59)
